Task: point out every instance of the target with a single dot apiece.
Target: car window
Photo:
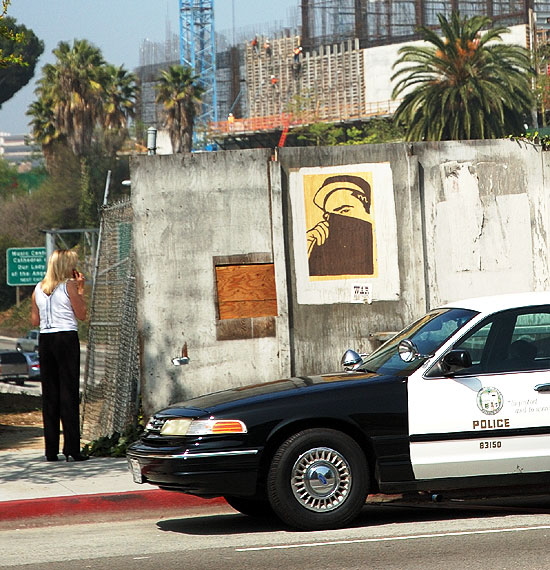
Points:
(510, 341)
(534, 328)
(428, 334)
(12, 358)
(475, 343)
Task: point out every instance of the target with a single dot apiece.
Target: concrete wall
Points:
(485, 210)
(451, 220)
(322, 332)
(189, 210)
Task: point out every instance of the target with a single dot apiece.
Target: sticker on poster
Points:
(361, 294)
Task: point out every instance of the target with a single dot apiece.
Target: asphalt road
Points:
(450, 537)
(6, 343)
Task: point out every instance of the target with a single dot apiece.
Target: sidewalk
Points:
(35, 492)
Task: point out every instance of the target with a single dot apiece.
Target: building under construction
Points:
(376, 22)
(336, 65)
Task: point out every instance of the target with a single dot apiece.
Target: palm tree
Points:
(179, 92)
(74, 86)
(121, 91)
(79, 93)
(542, 91)
(119, 99)
(465, 85)
(81, 97)
(44, 129)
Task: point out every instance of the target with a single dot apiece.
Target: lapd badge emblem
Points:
(490, 401)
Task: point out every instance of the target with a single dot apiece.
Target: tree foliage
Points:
(71, 88)
(7, 34)
(179, 92)
(320, 134)
(463, 84)
(9, 183)
(120, 92)
(19, 53)
(80, 95)
(80, 118)
(542, 88)
(330, 134)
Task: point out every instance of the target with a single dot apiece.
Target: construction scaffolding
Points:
(379, 22)
(321, 85)
(198, 51)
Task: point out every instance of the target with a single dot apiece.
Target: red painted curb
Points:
(81, 505)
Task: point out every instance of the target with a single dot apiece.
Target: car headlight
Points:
(185, 426)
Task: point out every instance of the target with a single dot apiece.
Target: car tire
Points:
(19, 348)
(19, 382)
(250, 506)
(318, 479)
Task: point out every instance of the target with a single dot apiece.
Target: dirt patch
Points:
(20, 421)
(15, 321)
(16, 404)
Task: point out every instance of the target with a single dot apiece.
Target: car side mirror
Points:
(408, 351)
(351, 360)
(455, 361)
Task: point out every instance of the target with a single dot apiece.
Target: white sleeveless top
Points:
(56, 311)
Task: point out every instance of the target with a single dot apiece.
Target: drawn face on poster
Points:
(344, 230)
(340, 225)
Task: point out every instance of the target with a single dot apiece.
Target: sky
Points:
(118, 28)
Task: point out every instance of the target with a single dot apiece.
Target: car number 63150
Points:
(490, 444)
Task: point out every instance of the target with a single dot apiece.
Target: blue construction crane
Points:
(198, 51)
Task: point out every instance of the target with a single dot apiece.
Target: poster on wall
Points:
(345, 234)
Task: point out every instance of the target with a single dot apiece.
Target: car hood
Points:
(284, 388)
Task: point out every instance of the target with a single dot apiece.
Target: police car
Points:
(456, 403)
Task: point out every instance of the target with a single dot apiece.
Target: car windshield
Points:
(427, 333)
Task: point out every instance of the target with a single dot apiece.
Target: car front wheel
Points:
(252, 507)
(318, 479)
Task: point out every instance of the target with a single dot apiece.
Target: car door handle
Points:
(542, 388)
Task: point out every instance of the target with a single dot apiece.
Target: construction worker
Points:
(254, 44)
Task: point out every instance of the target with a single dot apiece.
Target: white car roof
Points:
(494, 303)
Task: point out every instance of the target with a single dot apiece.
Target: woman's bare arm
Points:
(75, 289)
(35, 313)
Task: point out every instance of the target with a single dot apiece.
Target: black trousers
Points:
(59, 354)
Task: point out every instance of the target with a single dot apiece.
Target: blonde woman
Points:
(57, 302)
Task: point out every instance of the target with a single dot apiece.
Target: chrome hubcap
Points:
(321, 479)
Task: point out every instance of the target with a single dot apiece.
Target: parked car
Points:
(13, 366)
(28, 343)
(33, 365)
(456, 403)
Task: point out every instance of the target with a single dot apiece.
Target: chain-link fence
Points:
(111, 381)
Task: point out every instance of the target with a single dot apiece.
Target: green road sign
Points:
(25, 265)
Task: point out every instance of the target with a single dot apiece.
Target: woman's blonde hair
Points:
(61, 264)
